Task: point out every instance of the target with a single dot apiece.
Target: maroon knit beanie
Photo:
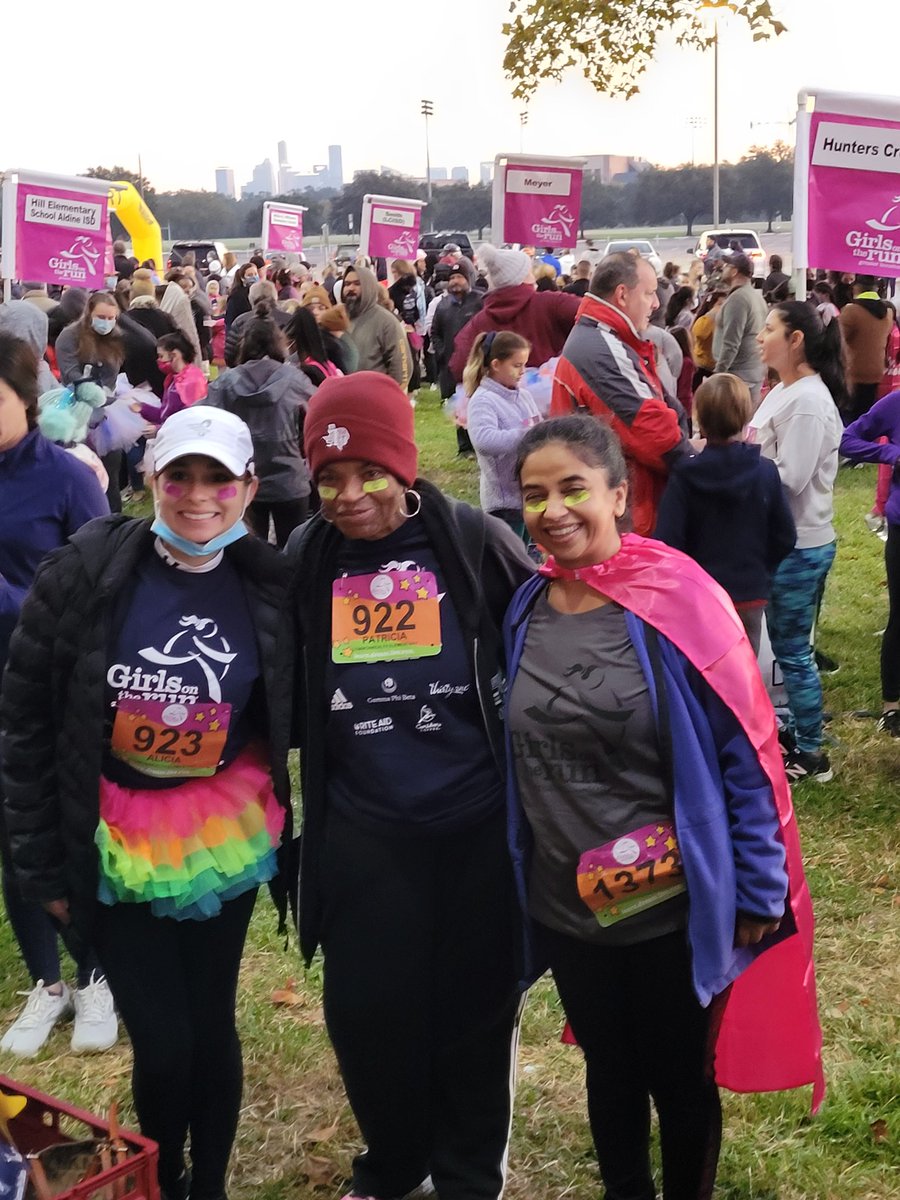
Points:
(364, 416)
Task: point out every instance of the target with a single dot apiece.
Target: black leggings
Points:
(643, 1034)
(286, 515)
(421, 1003)
(175, 984)
(890, 644)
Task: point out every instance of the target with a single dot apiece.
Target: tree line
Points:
(759, 187)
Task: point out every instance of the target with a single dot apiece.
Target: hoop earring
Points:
(406, 513)
(327, 520)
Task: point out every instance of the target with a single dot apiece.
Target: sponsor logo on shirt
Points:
(339, 702)
(389, 687)
(427, 723)
(447, 689)
(378, 725)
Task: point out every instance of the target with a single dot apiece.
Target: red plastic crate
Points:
(39, 1125)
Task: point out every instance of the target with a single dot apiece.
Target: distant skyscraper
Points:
(263, 181)
(225, 182)
(460, 174)
(436, 174)
(335, 167)
(486, 171)
(284, 167)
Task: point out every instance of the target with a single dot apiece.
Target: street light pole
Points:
(427, 111)
(523, 121)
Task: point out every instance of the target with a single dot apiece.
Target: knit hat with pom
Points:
(505, 268)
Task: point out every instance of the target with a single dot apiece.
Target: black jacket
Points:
(52, 702)
(449, 318)
(483, 563)
(157, 323)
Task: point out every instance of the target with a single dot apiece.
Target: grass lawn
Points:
(297, 1136)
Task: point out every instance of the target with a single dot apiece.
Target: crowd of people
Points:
(534, 734)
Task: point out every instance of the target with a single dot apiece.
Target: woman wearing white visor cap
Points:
(142, 678)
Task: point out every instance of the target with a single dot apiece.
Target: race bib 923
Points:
(175, 740)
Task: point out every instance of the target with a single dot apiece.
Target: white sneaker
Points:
(35, 1022)
(96, 1026)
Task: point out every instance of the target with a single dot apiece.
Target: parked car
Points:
(346, 254)
(434, 242)
(644, 248)
(204, 253)
(750, 245)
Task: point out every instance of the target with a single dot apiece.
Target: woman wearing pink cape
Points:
(651, 825)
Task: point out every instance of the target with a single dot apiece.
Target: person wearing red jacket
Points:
(544, 319)
(607, 369)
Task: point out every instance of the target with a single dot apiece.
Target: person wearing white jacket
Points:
(798, 426)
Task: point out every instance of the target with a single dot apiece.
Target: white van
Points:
(749, 243)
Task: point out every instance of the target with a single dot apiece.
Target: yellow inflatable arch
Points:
(143, 228)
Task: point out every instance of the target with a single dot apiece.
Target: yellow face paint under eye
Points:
(327, 493)
(536, 506)
(376, 485)
(579, 497)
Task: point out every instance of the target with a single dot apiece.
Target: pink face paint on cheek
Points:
(227, 493)
(174, 490)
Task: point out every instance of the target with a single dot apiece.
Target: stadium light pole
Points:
(695, 123)
(427, 111)
(523, 121)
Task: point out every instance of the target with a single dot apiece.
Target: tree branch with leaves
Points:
(612, 42)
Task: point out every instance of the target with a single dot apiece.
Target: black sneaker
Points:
(826, 665)
(786, 743)
(801, 764)
(889, 722)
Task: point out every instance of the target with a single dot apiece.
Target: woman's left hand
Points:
(750, 931)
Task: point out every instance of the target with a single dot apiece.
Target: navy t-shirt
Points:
(180, 675)
(406, 743)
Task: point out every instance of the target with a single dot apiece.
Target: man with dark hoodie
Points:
(377, 335)
(545, 319)
(726, 507)
(866, 324)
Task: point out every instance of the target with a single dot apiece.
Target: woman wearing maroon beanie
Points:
(405, 880)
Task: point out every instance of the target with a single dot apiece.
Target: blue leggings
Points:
(35, 932)
(790, 616)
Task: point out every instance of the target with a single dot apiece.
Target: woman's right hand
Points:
(58, 909)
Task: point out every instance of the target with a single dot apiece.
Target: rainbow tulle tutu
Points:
(185, 850)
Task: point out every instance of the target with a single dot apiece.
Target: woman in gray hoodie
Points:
(271, 395)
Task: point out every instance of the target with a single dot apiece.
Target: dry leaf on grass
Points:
(286, 997)
(879, 1131)
(319, 1171)
(323, 1134)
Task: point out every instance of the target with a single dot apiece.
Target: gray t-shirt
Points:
(587, 761)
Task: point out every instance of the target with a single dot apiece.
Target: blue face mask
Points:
(103, 325)
(199, 549)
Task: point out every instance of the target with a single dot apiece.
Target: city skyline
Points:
(475, 115)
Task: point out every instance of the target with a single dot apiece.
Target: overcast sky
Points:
(195, 86)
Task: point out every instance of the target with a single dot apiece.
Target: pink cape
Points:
(770, 1038)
